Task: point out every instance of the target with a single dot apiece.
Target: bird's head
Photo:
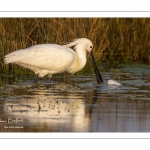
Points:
(86, 44)
(82, 42)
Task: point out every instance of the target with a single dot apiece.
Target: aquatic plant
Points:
(115, 40)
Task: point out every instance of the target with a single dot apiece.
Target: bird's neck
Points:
(79, 61)
(81, 54)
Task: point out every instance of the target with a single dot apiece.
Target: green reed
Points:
(115, 40)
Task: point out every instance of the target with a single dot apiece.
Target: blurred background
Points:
(115, 40)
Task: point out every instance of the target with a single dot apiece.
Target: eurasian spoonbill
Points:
(49, 59)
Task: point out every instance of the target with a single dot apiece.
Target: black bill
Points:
(97, 73)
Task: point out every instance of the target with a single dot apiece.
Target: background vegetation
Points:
(116, 40)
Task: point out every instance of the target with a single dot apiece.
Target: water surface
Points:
(75, 103)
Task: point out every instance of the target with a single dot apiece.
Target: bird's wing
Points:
(44, 56)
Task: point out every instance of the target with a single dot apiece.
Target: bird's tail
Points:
(13, 57)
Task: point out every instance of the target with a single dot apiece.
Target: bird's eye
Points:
(91, 47)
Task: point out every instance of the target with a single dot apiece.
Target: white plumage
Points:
(48, 59)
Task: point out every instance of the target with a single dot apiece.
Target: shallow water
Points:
(75, 103)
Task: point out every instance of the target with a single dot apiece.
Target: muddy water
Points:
(75, 103)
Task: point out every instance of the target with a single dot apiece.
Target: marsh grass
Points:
(115, 40)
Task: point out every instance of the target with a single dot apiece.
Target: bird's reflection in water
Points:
(94, 99)
(53, 108)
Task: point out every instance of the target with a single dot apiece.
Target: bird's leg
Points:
(49, 78)
(36, 79)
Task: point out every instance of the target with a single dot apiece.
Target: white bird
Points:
(49, 59)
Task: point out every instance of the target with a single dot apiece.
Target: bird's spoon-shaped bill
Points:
(97, 73)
